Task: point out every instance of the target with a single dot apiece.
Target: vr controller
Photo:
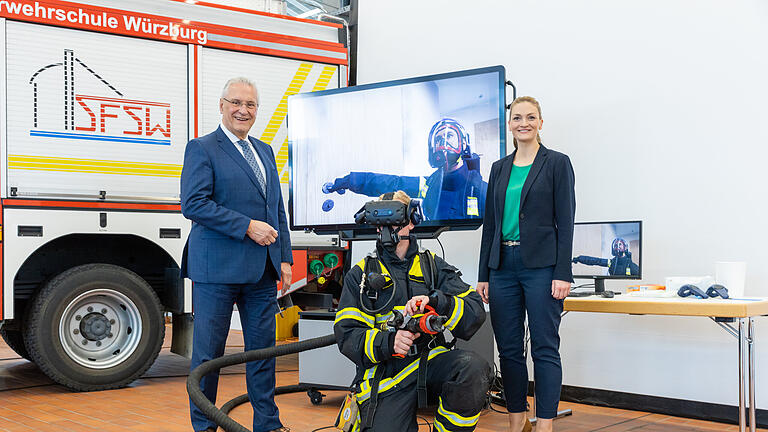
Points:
(713, 291)
(430, 323)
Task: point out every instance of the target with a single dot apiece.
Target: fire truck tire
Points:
(95, 327)
(15, 341)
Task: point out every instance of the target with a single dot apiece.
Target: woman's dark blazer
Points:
(547, 211)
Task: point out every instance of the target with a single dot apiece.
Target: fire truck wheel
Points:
(95, 327)
(15, 341)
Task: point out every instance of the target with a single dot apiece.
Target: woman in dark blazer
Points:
(525, 262)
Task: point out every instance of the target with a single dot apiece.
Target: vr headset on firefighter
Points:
(390, 216)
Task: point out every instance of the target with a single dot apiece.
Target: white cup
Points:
(732, 276)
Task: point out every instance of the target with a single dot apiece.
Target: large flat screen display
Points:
(607, 250)
(434, 137)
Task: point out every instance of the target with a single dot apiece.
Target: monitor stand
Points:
(599, 288)
(599, 285)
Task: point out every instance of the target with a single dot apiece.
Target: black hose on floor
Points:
(219, 416)
(243, 398)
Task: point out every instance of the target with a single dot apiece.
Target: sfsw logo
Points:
(95, 117)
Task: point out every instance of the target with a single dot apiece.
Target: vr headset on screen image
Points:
(390, 216)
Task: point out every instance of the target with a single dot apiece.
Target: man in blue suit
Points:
(238, 248)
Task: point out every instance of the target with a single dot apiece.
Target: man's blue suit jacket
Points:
(220, 194)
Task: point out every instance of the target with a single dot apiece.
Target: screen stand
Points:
(599, 288)
(366, 234)
(599, 285)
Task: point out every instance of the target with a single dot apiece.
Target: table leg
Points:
(742, 342)
(751, 360)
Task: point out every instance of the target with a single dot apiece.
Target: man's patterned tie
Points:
(251, 159)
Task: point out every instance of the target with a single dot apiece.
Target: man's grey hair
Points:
(240, 80)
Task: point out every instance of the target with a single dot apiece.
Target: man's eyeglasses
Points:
(251, 105)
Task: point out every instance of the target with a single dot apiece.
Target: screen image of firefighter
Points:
(609, 249)
(435, 140)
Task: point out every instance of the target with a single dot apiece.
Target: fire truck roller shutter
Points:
(95, 327)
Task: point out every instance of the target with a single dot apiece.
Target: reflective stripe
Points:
(457, 419)
(416, 267)
(370, 336)
(439, 427)
(361, 264)
(466, 293)
(388, 383)
(355, 314)
(384, 270)
(472, 206)
(380, 319)
(423, 188)
(370, 373)
(458, 312)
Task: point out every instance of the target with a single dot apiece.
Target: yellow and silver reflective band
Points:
(370, 373)
(423, 188)
(355, 314)
(467, 292)
(473, 208)
(388, 383)
(439, 427)
(457, 419)
(380, 319)
(458, 312)
(370, 336)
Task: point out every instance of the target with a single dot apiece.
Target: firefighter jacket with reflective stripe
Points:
(358, 333)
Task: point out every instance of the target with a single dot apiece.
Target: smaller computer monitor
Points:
(607, 250)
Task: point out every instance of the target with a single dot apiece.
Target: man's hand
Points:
(261, 232)
(560, 289)
(482, 289)
(285, 275)
(411, 308)
(403, 341)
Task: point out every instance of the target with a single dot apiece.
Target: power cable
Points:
(441, 246)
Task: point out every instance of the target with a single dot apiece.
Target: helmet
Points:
(615, 246)
(448, 141)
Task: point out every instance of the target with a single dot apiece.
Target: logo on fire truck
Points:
(109, 117)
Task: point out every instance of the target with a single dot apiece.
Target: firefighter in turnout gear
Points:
(455, 190)
(620, 265)
(397, 370)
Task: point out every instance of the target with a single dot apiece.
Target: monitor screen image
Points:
(434, 137)
(607, 249)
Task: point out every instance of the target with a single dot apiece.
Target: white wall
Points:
(661, 106)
